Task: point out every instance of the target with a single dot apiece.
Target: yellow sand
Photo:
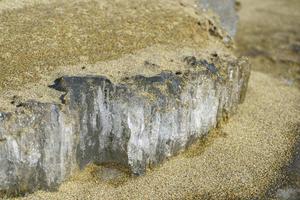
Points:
(39, 39)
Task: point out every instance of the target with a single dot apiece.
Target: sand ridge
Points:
(41, 38)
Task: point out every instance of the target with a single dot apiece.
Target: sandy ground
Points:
(248, 156)
(269, 35)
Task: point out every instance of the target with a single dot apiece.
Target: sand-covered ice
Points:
(241, 161)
